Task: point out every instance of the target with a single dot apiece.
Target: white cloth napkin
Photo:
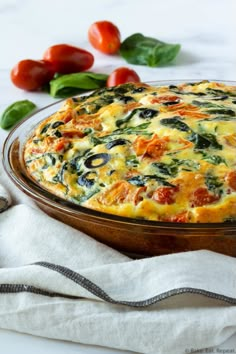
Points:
(5, 199)
(58, 283)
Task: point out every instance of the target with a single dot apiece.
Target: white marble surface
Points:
(205, 29)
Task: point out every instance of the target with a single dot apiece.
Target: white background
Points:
(204, 28)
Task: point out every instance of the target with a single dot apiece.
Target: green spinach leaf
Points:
(217, 92)
(169, 169)
(187, 165)
(176, 123)
(122, 121)
(214, 184)
(139, 129)
(132, 161)
(213, 159)
(140, 180)
(226, 112)
(219, 118)
(203, 141)
(207, 104)
(144, 113)
(82, 198)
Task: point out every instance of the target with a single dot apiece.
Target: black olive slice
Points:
(45, 128)
(116, 142)
(148, 113)
(58, 134)
(139, 89)
(57, 124)
(109, 173)
(171, 103)
(126, 99)
(220, 98)
(97, 160)
(87, 179)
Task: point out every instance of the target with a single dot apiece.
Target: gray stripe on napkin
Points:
(20, 288)
(97, 291)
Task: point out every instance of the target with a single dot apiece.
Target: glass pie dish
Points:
(128, 235)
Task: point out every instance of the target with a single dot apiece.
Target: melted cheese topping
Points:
(157, 153)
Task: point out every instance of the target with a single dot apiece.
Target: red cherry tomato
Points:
(122, 76)
(31, 75)
(105, 37)
(67, 59)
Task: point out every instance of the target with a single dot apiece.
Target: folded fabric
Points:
(58, 283)
(14, 195)
(5, 199)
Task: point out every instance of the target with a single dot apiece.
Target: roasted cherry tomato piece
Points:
(181, 218)
(31, 75)
(167, 100)
(66, 59)
(121, 76)
(165, 195)
(105, 37)
(202, 196)
(231, 179)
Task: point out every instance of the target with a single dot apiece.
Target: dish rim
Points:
(41, 195)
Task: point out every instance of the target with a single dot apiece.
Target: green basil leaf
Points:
(141, 50)
(15, 112)
(73, 84)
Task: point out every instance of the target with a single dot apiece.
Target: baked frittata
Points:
(164, 153)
